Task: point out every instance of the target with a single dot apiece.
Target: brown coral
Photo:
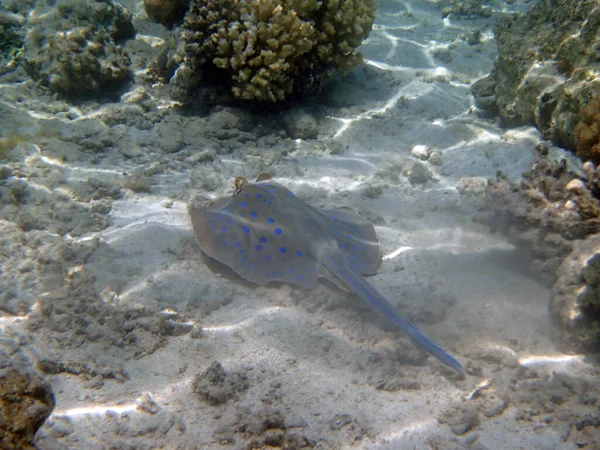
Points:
(544, 73)
(167, 12)
(26, 399)
(74, 50)
(261, 57)
(270, 49)
(587, 132)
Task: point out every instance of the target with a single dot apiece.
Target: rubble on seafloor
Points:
(553, 214)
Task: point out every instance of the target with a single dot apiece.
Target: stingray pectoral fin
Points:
(201, 225)
(356, 238)
(357, 284)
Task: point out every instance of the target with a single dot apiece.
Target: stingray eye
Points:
(239, 184)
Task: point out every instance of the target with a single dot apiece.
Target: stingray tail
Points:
(357, 284)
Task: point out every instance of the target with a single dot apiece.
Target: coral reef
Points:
(73, 49)
(575, 304)
(587, 132)
(267, 50)
(554, 215)
(544, 76)
(26, 399)
(80, 63)
(544, 71)
(11, 35)
(551, 207)
(167, 12)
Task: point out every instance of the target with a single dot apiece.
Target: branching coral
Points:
(262, 54)
(587, 132)
(270, 49)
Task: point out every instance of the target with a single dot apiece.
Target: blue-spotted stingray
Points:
(265, 233)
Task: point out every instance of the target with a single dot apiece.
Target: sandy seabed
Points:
(147, 344)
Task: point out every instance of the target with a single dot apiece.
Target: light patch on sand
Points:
(540, 360)
(92, 410)
(266, 312)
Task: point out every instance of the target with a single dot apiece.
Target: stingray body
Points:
(265, 233)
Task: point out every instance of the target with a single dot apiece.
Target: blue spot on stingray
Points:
(230, 221)
(246, 195)
(269, 258)
(349, 236)
(301, 277)
(268, 203)
(273, 274)
(245, 229)
(282, 250)
(270, 220)
(289, 194)
(242, 251)
(277, 231)
(292, 270)
(355, 247)
(224, 230)
(259, 247)
(244, 204)
(254, 214)
(258, 195)
(298, 253)
(238, 244)
(262, 239)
